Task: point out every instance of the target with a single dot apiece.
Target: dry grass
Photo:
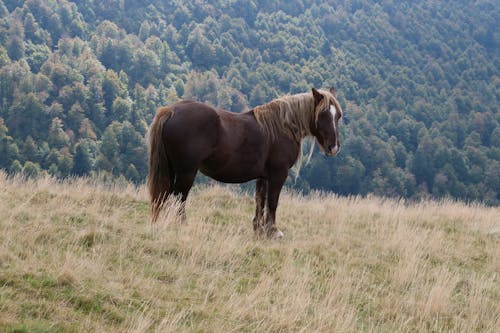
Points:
(82, 257)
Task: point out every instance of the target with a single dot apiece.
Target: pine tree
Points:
(82, 163)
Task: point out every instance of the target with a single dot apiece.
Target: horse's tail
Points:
(159, 169)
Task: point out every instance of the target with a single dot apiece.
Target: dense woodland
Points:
(419, 83)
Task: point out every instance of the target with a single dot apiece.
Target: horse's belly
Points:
(231, 178)
(234, 171)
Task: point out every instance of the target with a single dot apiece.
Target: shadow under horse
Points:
(262, 144)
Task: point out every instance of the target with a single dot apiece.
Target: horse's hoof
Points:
(278, 234)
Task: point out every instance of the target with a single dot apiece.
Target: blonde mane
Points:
(293, 116)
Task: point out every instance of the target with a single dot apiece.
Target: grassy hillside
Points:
(83, 257)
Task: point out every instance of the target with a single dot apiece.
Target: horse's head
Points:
(327, 113)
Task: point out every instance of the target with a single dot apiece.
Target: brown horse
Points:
(261, 144)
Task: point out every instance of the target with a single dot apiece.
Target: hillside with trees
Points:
(419, 83)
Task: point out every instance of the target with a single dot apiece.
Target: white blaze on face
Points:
(333, 111)
(335, 149)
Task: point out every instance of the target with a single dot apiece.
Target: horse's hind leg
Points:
(183, 183)
(260, 203)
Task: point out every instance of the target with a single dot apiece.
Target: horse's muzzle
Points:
(332, 150)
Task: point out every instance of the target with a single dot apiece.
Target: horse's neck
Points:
(302, 112)
(290, 115)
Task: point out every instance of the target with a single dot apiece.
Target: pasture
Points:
(80, 256)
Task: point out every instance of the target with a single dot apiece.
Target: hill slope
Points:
(82, 257)
(80, 82)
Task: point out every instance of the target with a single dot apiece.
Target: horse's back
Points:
(192, 133)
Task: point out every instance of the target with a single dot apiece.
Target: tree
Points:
(82, 163)
(144, 30)
(27, 115)
(423, 163)
(111, 88)
(60, 74)
(15, 42)
(15, 167)
(109, 158)
(86, 130)
(57, 137)
(31, 170)
(132, 174)
(179, 87)
(8, 148)
(121, 109)
(31, 29)
(145, 67)
(200, 50)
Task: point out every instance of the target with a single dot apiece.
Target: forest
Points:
(419, 83)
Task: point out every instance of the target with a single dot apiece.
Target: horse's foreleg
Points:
(183, 183)
(260, 203)
(275, 184)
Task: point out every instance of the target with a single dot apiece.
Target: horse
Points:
(262, 144)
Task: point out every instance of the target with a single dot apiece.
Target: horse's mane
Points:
(292, 115)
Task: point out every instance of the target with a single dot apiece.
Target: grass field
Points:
(82, 257)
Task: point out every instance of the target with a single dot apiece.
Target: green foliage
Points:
(31, 170)
(80, 82)
(82, 160)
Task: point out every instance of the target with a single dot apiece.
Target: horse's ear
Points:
(332, 91)
(317, 96)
